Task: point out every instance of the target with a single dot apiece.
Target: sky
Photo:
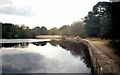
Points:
(48, 13)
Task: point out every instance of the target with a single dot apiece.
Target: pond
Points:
(44, 57)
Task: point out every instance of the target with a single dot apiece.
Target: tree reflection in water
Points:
(15, 45)
(53, 43)
(78, 50)
(23, 45)
(40, 43)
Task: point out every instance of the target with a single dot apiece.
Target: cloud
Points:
(22, 62)
(13, 7)
(114, 0)
(6, 1)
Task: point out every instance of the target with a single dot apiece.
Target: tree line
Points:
(104, 21)
(12, 31)
(74, 29)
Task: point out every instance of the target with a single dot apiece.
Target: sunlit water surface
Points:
(45, 57)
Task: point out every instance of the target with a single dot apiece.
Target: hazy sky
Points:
(48, 13)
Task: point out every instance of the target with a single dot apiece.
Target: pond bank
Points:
(48, 37)
(103, 62)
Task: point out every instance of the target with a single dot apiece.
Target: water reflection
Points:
(53, 43)
(24, 62)
(40, 43)
(23, 45)
(15, 45)
(78, 50)
(46, 57)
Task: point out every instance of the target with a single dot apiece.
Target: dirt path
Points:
(106, 56)
(103, 46)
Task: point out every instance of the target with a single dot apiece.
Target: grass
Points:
(95, 39)
(113, 46)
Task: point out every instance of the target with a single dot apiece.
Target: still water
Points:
(44, 57)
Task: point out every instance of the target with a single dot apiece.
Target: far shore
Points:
(49, 37)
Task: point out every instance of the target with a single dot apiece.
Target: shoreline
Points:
(101, 62)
